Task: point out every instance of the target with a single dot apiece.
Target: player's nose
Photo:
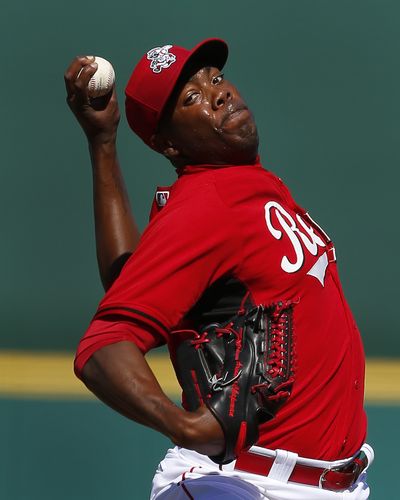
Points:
(221, 97)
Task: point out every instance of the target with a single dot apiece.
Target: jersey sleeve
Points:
(186, 247)
(101, 333)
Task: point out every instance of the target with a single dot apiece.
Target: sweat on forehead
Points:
(195, 71)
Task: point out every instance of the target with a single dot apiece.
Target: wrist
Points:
(103, 155)
(200, 431)
(185, 431)
(180, 428)
(103, 142)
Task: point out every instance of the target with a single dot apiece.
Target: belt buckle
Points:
(344, 476)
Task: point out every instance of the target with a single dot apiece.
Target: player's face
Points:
(208, 122)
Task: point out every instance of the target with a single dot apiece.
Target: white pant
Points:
(185, 474)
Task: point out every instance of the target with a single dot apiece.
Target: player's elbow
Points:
(79, 367)
(89, 372)
(85, 363)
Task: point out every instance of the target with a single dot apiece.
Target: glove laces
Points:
(279, 352)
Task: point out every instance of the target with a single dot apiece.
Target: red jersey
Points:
(227, 231)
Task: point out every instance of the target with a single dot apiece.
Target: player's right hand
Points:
(202, 432)
(99, 122)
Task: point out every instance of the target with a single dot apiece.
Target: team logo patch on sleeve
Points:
(162, 198)
(160, 58)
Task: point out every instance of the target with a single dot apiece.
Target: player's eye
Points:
(217, 79)
(190, 98)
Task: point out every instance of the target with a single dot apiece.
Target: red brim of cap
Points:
(147, 94)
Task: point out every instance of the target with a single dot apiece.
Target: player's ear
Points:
(164, 146)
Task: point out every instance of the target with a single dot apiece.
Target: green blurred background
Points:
(322, 78)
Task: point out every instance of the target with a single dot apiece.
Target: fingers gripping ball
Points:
(102, 81)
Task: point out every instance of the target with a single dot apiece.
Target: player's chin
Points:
(243, 143)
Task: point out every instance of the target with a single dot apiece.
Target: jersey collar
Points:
(192, 169)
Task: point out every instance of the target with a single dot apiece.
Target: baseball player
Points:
(239, 282)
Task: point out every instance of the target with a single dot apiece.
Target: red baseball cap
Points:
(155, 76)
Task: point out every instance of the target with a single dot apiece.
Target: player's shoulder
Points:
(208, 197)
(195, 195)
(239, 184)
(192, 205)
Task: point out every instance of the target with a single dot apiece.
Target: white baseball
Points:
(103, 80)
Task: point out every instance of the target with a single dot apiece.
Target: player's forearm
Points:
(116, 232)
(119, 375)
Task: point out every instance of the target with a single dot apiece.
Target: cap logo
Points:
(160, 58)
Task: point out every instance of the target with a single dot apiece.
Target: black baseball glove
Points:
(242, 370)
